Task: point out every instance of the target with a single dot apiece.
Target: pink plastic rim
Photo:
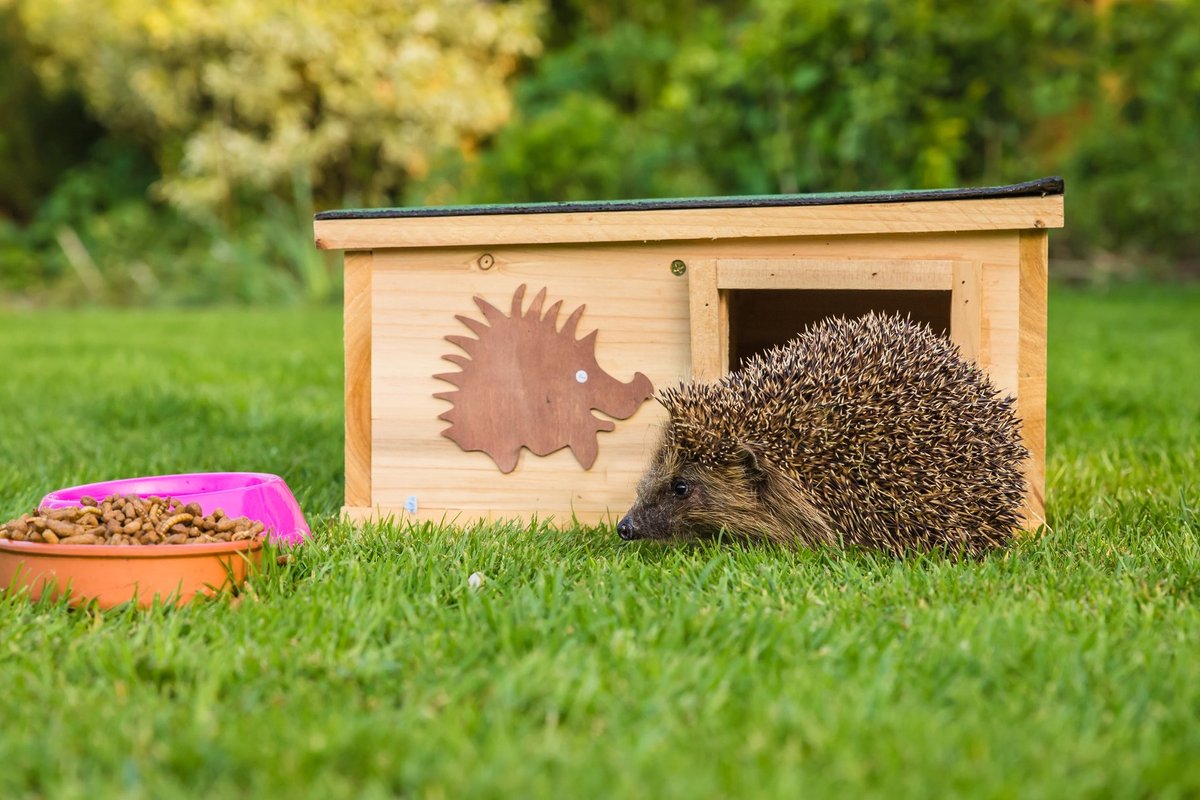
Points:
(259, 496)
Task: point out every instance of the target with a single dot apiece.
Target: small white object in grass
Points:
(476, 580)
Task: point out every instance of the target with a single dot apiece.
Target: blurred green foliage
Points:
(41, 136)
(626, 99)
(787, 96)
(1136, 158)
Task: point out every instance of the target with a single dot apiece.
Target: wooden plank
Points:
(998, 323)
(709, 333)
(653, 259)
(357, 331)
(869, 274)
(725, 346)
(965, 308)
(697, 224)
(1031, 376)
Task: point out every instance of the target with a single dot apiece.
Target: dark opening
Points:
(762, 318)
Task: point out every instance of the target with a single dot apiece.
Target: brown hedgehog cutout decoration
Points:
(525, 383)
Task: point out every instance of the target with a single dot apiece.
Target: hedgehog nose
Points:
(625, 529)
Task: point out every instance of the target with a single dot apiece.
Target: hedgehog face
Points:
(681, 498)
(667, 497)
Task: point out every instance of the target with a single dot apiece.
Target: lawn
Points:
(1068, 666)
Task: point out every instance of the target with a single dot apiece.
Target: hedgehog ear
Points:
(750, 457)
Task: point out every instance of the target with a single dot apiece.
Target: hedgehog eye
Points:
(680, 487)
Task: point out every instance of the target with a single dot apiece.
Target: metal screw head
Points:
(486, 261)
(678, 267)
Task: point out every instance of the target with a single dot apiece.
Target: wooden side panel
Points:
(1031, 397)
(965, 308)
(357, 332)
(701, 224)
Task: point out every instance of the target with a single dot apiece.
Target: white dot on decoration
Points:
(581, 376)
(476, 580)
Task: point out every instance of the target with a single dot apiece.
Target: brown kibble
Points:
(128, 520)
(87, 501)
(62, 528)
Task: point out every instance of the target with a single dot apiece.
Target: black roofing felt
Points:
(1038, 188)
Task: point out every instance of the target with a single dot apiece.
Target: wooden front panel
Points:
(634, 302)
(641, 311)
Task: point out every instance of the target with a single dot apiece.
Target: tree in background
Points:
(237, 99)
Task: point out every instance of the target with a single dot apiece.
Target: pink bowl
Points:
(259, 496)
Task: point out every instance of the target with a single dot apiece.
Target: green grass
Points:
(1065, 667)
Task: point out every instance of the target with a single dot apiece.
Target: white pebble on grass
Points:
(476, 580)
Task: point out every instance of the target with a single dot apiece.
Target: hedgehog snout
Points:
(626, 528)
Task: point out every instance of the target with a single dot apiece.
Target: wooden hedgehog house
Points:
(501, 360)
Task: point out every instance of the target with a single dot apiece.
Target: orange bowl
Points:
(116, 574)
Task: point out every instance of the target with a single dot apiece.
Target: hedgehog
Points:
(871, 432)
